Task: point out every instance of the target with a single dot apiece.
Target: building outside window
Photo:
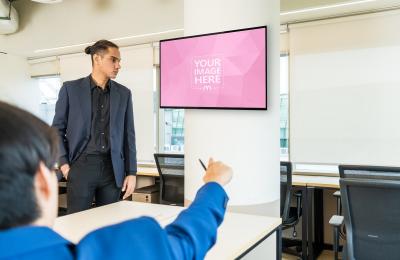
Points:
(174, 139)
(284, 107)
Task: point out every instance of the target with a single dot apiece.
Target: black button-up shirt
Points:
(99, 142)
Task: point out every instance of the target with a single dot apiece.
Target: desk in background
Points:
(316, 181)
(298, 179)
(312, 187)
(238, 235)
(150, 171)
(146, 176)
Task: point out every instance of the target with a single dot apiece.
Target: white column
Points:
(246, 140)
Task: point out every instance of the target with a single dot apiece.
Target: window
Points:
(170, 123)
(174, 139)
(284, 107)
(49, 87)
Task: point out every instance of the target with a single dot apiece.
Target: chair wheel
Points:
(294, 234)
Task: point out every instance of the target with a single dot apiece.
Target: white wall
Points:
(137, 75)
(16, 86)
(246, 140)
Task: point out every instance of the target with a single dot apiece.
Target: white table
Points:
(238, 233)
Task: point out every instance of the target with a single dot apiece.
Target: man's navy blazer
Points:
(73, 118)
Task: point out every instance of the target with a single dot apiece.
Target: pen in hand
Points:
(202, 164)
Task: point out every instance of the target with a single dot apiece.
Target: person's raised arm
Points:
(194, 231)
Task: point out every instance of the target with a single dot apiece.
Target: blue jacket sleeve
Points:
(129, 140)
(194, 231)
(190, 236)
(60, 123)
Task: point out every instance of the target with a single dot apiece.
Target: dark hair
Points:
(100, 47)
(25, 141)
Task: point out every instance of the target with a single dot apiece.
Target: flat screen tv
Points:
(225, 70)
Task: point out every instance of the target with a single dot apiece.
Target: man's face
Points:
(109, 63)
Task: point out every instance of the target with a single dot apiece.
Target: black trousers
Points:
(91, 177)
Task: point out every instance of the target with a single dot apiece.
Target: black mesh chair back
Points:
(290, 215)
(286, 188)
(171, 170)
(369, 172)
(371, 210)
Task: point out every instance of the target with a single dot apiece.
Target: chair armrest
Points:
(336, 220)
(338, 197)
(298, 194)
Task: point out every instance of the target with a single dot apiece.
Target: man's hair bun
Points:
(88, 49)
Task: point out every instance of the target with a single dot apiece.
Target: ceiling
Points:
(288, 5)
(40, 23)
(301, 10)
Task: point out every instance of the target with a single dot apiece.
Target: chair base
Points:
(292, 247)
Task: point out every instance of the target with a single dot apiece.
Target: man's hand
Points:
(65, 170)
(129, 185)
(218, 172)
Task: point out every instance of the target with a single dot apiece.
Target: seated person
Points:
(28, 206)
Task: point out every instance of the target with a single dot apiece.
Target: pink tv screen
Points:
(226, 70)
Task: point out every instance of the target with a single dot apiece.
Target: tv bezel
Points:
(219, 108)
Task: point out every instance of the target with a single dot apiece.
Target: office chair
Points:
(171, 170)
(367, 172)
(371, 209)
(290, 215)
(369, 196)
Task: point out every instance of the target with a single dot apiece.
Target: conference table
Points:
(238, 235)
(312, 187)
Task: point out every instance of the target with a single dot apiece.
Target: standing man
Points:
(94, 118)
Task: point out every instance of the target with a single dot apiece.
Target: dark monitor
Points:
(171, 170)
